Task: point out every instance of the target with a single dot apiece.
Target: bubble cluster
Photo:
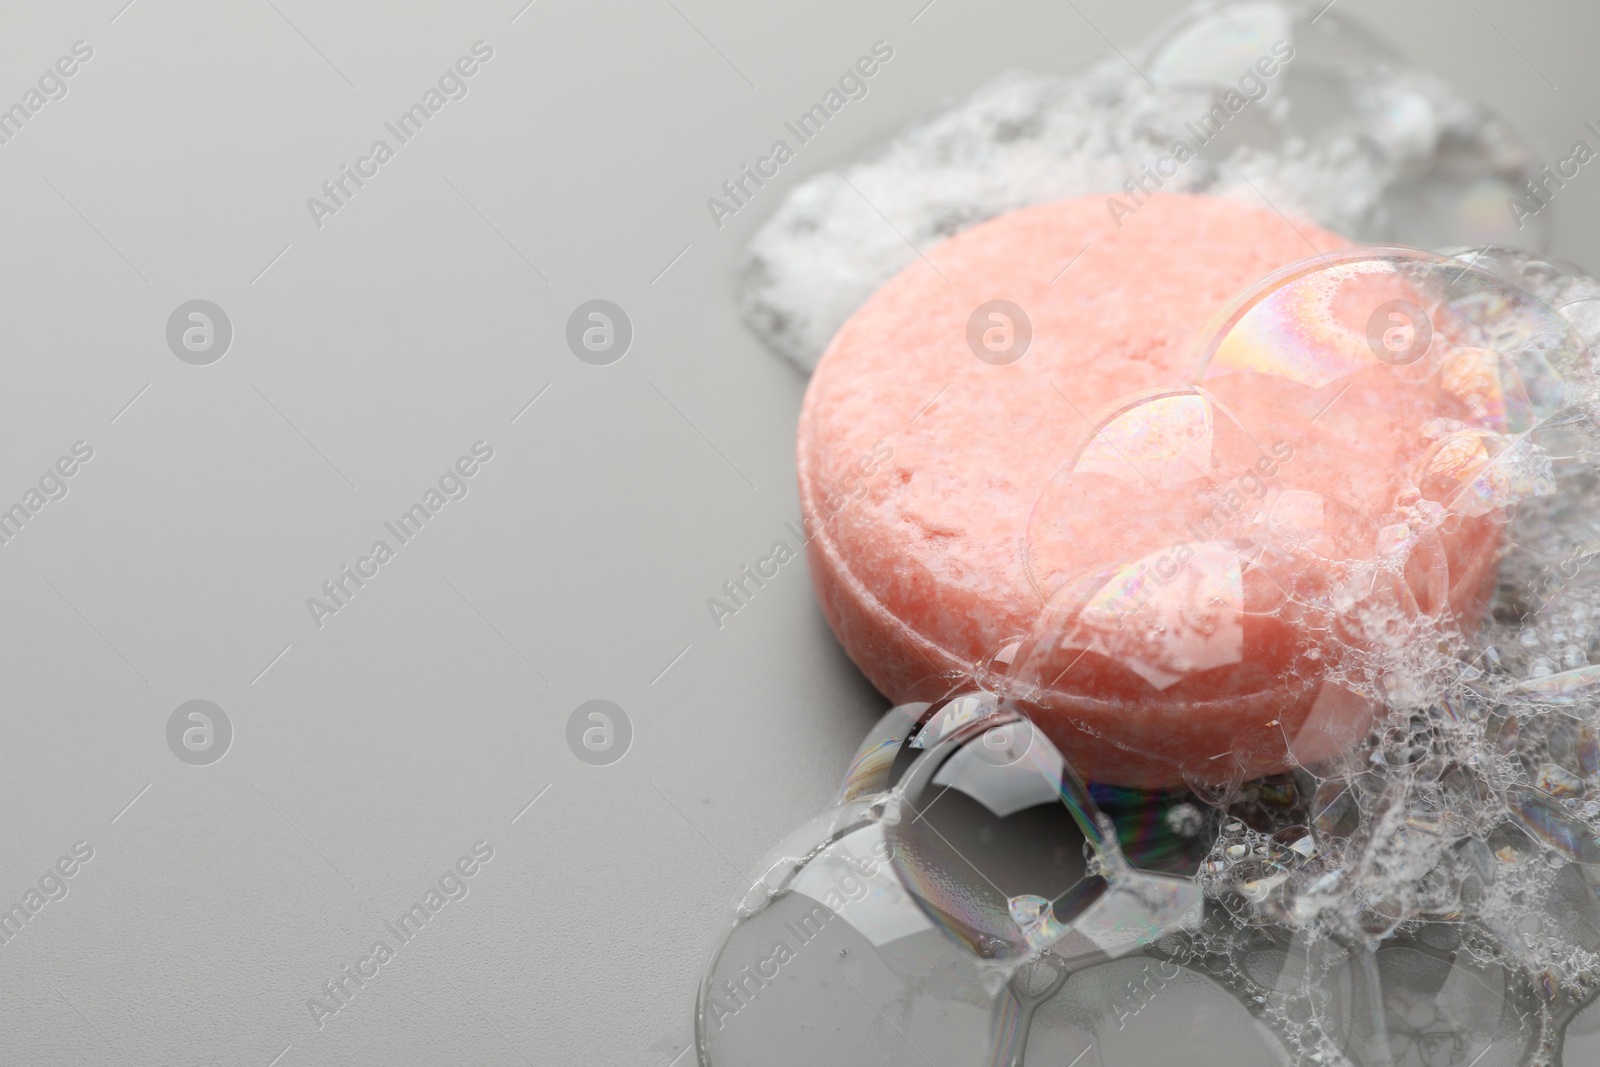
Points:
(1424, 891)
(1296, 527)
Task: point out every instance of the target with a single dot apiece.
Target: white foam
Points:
(1345, 135)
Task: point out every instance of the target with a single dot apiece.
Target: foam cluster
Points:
(1425, 892)
(1261, 100)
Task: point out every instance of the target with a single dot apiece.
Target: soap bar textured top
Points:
(930, 563)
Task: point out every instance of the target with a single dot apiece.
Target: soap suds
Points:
(1345, 135)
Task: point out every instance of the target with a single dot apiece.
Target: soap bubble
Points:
(1142, 1010)
(1577, 1037)
(1434, 1006)
(1013, 857)
(1333, 82)
(957, 884)
(1163, 595)
(828, 933)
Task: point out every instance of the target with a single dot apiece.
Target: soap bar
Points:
(1022, 432)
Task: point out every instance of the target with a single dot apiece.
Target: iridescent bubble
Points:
(1541, 816)
(1212, 51)
(1335, 482)
(1331, 81)
(948, 896)
(871, 768)
(1004, 849)
(1165, 831)
(1575, 745)
(1565, 687)
(828, 932)
(1474, 472)
(1335, 811)
(1141, 605)
(1484, 382)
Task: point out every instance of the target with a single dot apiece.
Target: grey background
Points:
(424, 717)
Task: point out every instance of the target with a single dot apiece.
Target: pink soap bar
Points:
(943, 525)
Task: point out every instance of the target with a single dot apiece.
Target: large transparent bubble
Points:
(958, 887)
(1344, 86)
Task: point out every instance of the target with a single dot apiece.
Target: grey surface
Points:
(427, 714)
